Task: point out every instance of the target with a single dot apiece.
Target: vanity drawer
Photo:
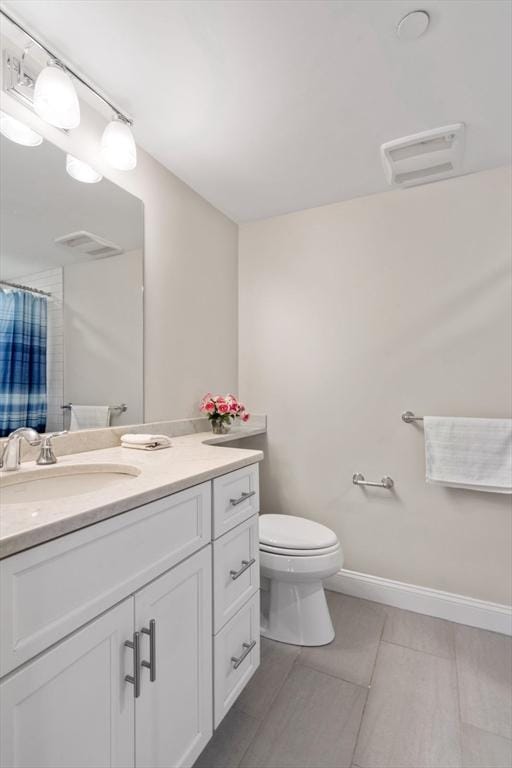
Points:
(51, 590)
(236, 570)
(236, 650)
(236, 497)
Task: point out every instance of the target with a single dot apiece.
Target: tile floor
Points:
(394, 690)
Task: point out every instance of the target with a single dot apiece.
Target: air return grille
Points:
(424, 157)
(89, 245)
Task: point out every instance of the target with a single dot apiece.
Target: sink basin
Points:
(59, 482)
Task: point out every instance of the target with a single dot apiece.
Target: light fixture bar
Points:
(71, 71)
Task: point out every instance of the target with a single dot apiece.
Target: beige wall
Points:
(349, 315)
(190, 275)
(103, 328)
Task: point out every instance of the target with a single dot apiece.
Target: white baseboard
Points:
(432, 602)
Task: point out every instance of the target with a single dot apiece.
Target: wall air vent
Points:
(88, 244)
(424, 157)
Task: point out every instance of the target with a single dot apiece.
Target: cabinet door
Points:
(174, 711)
(71, 707)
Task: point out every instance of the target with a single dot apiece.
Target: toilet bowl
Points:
(296, 554)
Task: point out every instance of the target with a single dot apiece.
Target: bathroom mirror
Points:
(71, 303)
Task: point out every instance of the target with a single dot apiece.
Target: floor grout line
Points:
(356, 740)
(410, 648)
(297, 663)
(416, 650)
(263, 719)
(457, 686)
(484, 730)
(330, 674)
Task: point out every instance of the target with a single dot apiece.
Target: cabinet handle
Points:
(245, 565)
(135, 678)
(247, 649)
(151, 664)
(245, 495)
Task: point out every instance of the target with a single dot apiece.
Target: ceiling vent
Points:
(89, 245)
(424, 157)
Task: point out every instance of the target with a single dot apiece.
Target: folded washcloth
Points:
(145, 442)
(475, 454)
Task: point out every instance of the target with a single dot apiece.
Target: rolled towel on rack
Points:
(145, 442)
(475, 454)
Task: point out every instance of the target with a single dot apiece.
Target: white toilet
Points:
(295, 556)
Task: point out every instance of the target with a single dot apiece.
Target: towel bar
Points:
(120, 408)
(409, 417)
(386, 482)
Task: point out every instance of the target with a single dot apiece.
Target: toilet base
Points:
(296, 613)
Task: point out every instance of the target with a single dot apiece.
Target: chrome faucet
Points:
(46, 454)
(11, 454)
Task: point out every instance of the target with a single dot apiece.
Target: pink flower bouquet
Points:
(222, 411)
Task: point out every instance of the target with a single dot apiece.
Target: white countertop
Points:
(192, 459)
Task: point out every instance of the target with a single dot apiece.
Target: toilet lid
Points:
(288, 552)
(290, 532)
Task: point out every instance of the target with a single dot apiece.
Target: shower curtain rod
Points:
(25, 288)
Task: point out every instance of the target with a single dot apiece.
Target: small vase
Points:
(220, 427)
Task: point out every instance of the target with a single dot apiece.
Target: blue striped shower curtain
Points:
(23, 328)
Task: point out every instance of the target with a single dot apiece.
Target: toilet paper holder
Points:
(386, 482)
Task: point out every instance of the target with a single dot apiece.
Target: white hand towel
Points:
(89, 417)
(475, 454)
(145, 442)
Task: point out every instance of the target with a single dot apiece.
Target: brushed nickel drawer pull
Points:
(135, 678)
(245, 565)
(245, 495)
(247, 649)
(151, 664)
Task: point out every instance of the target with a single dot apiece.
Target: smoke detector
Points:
(88, 244)
(424, 157)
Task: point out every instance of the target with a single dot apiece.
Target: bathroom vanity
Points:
(125, 642)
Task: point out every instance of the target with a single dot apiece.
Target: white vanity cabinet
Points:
(110, 653)
(173, 713)
(70, 706)
(73, 705)
(236, 582)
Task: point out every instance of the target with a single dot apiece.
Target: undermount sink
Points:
(58, 482)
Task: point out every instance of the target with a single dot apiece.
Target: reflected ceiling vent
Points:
(89, 245)
(424, 157)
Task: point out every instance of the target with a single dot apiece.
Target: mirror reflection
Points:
(71, 306)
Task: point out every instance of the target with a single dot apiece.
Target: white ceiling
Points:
(266, 107)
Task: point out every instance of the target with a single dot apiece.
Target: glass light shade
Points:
(55, 98)
(81, 171)
(118, 146)
(18, 132)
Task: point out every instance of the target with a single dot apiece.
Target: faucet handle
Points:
(46, 454)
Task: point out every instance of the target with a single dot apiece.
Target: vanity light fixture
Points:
(55, 98)
(18, 132)
(80, 171)
(118, 145)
